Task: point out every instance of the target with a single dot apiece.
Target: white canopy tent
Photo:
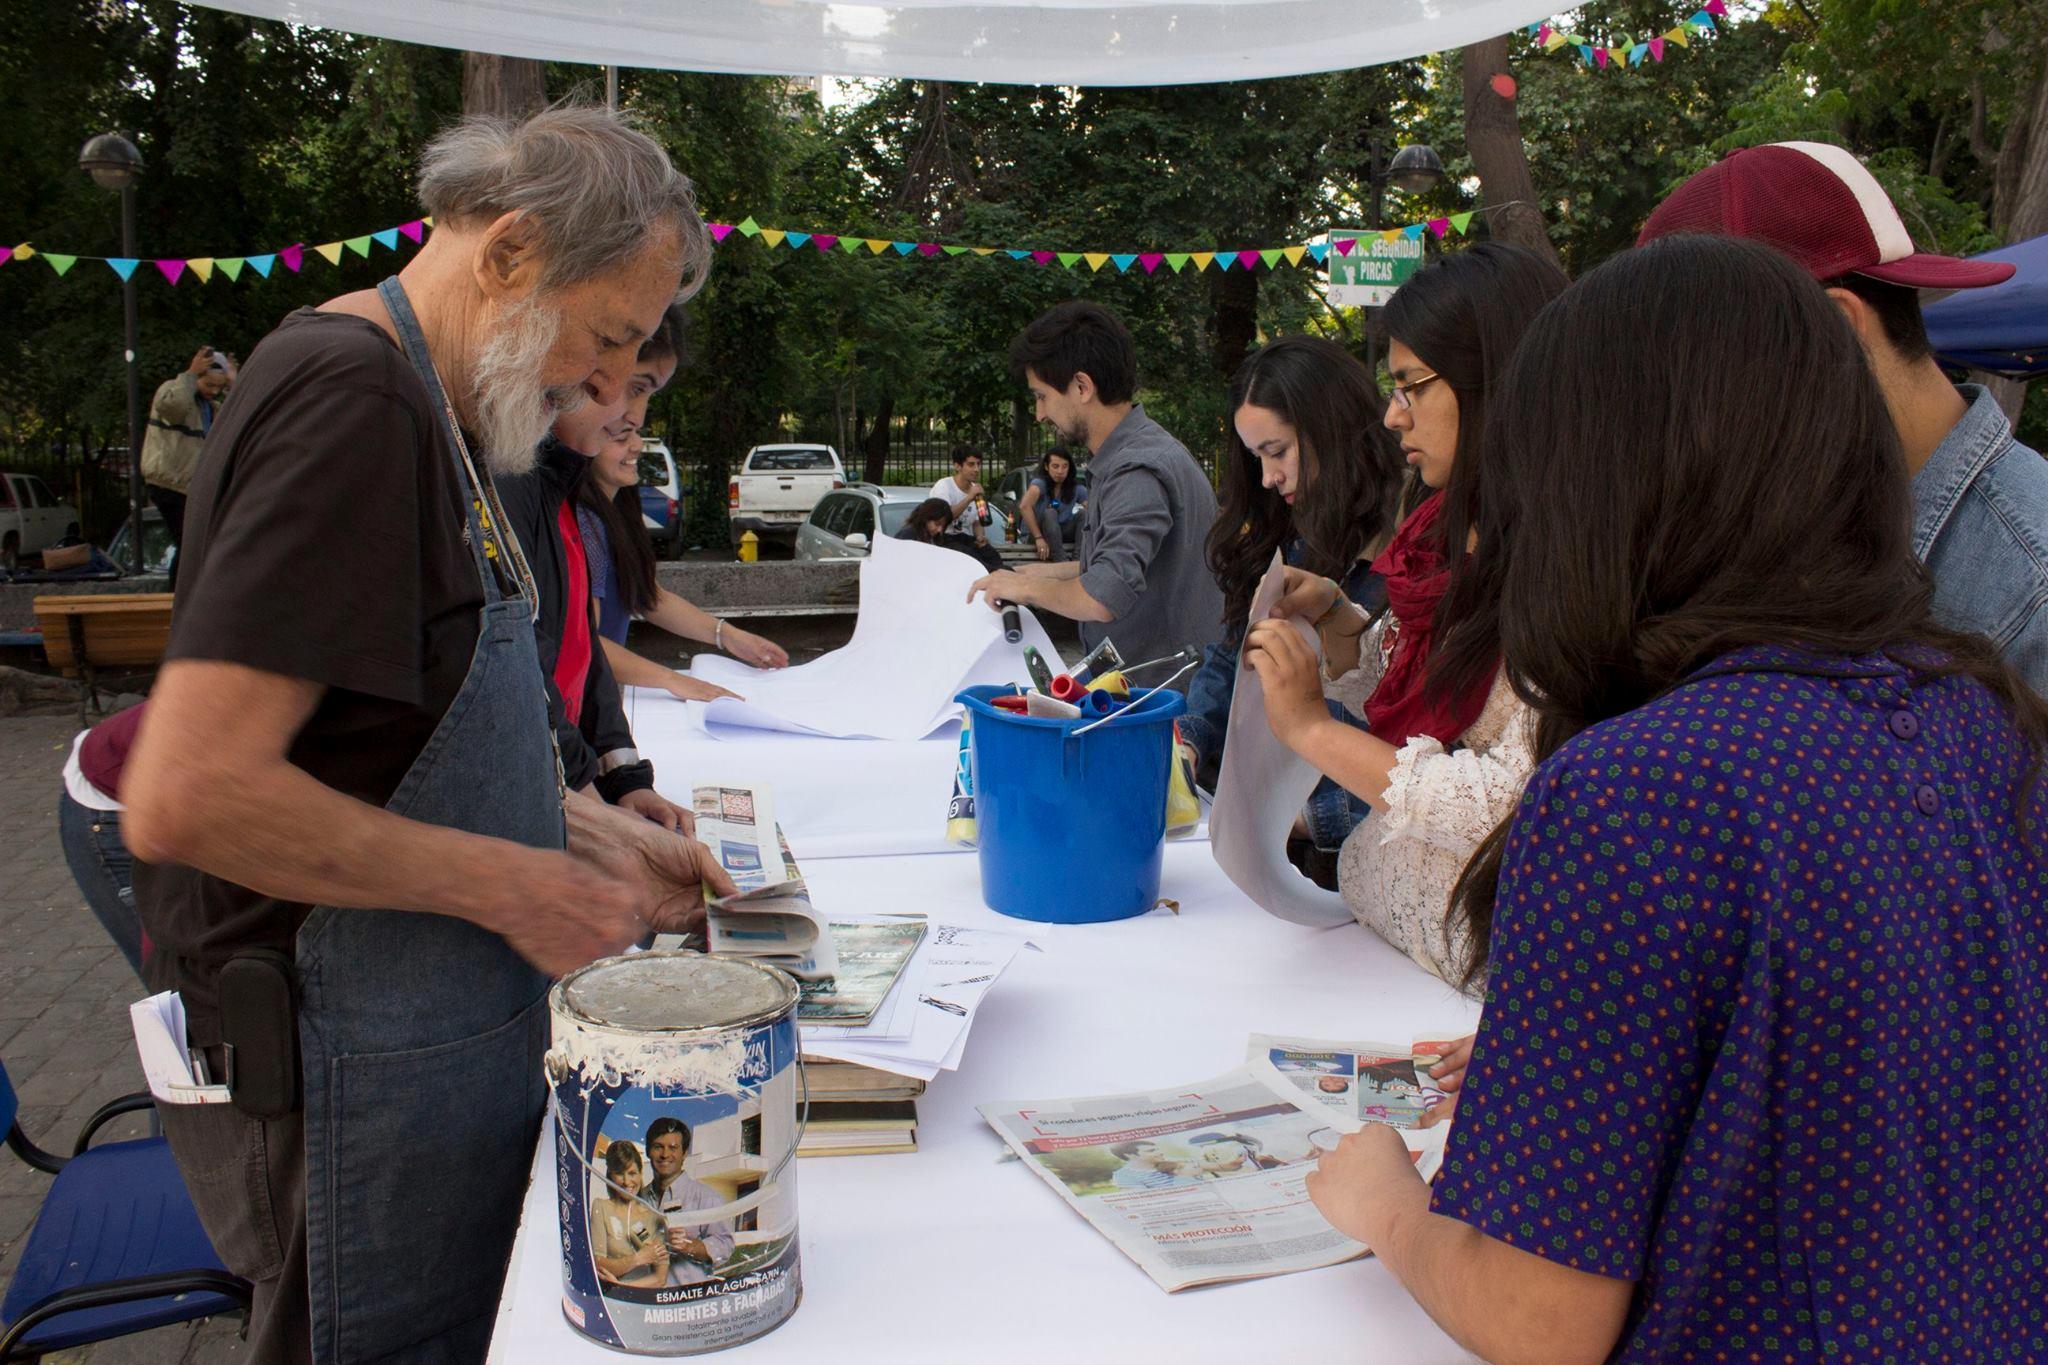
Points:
(1017, 42)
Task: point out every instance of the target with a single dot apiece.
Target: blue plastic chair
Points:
(116, 1248)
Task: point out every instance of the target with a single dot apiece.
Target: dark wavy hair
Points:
(1751, 491)
(1462, 315)
(1350, 476)
(1064, 490)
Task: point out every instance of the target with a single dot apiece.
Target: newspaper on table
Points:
(1205, 1183)
(770, 917)
(922, 1028)
(1361, 1082)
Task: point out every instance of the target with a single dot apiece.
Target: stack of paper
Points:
(921, 1028)
(175, 1073)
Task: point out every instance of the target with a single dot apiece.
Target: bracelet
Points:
(718, 636)
(1335, 602)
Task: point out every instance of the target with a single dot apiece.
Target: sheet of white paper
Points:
(1260, 789)
(917, 642)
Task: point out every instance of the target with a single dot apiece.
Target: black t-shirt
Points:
(324, 541)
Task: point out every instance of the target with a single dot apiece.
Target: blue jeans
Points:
(103, 869)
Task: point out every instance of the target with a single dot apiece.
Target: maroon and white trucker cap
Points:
(1818, 205)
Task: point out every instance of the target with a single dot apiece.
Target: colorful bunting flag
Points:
(1067, 258)
(903, 248)
(1293, 254)
(1319, 250)
(1462, 221)
(331, 250)
(772, 236)
(1096, 259)
(293, 256)
(1634, 52)
(359, 245)
(1178, 260)
(231, 266)
(749, 227)
(202, 266)
(1201, 259)
(124, 266)
(261, 264)
(388, 238)
(719, 231)
(6, 254)
(796, 239)
(58, 263)
(1150, 260)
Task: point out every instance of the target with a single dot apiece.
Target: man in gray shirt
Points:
(1142, 578)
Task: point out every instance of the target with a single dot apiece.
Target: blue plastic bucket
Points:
(1070, 826)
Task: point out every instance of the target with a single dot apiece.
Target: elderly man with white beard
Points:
(356, 859)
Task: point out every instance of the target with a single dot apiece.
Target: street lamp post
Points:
(114, 164)
(1415, 168)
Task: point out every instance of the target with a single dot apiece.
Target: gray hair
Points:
(596, 189)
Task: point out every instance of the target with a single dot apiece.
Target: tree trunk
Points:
(505, 87)
(875, 449)
(1493, 135)
(2020, 202)
(1234, 295)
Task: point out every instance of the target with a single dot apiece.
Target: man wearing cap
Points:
(179, 417)
(1980, 498)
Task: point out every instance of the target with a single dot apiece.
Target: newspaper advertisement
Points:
(1198, 1184)
(770, 917)
(1354, 1083)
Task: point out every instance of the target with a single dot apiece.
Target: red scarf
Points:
(1401, 707)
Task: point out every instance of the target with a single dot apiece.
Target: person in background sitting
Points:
(621, 555)
(89, 823)
(180, 415)
(1311, 472)
(1785, 844)
(1050, 502)
(964, 496)
(1449, 741)
(927, 522)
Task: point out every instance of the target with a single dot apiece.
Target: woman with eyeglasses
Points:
(1448, 744)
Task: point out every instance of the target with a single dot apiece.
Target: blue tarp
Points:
(2003, 328)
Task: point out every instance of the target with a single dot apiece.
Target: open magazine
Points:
(1204, 1183)
(770, 917)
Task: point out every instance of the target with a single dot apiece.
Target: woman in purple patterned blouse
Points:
(1763, 1073)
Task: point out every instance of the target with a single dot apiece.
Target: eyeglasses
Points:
(1404, 394)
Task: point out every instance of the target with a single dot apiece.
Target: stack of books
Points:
(858, 1110)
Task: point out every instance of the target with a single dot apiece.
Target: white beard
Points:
(514, 409)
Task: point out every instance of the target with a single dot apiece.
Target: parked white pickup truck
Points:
(777, 486)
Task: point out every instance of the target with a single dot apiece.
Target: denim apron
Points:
(421, 1034)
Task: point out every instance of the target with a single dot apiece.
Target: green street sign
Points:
(1368, 275)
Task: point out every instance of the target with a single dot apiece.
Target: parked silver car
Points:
(845, 522)
(32, 518)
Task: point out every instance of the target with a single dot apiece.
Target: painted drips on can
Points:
(674, 1079)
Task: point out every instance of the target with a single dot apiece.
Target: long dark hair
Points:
(633, 559)
(1350, 469)
(1462, 315)
(1750, 491)
(1063, 490)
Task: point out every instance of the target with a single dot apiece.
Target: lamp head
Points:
(111, 160)
(1416, 168)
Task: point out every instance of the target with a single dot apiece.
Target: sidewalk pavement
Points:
(64, 997)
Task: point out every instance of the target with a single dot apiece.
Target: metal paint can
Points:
(674, 1084)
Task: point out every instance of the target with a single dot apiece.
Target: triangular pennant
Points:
(984, 251)
(58, 263)
(6, 254)
(170, 269)
(293, 256)
(1225, 259)
(1678, 35)
(1542, 32)
(1637, 53)
(1270, 255)
(796, 239)
(927, 249)
(1391, 235)
(388, 239)
(230, 266)
(1294, 254)
(202, 266)
(24, 252)
(1586, 52)
(1015, 254)
(1657, 49)
(749, 227)
(1702, 19)
(1600, 57)
(1716, 7)
(720, 231)
(416, 229)
(331, 250)
(1554, 42)
(1320, 251)
(124, 266)
(773, 236)
(955, 250)
(1618, 54)
(1201, 259)
(1440, 226)
(852, 245)
(876, 245)
(1123, 260)
(261, 264)
(359, 245)
(1177, 260)
(903, 248)
(1461, 221)
(824, 241)
(1150, 260)
(1344, 245)
(1042, 257)
(428, 221)
(1096, 259)
(1413, 232)
(1067, 258)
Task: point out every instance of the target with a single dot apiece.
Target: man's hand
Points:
(559, 912)
(686, 1246)
(1287, 669)
(202, 361)
(666, 875)
(1368, 1184)
(652, 805)
(683, 687)
(973, 490)
(1001, 588)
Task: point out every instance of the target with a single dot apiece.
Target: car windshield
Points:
(894, 514)
(790, 461)
(653, 469)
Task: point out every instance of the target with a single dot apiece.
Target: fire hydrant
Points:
(750, 548)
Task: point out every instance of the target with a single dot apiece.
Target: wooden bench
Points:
(89, 631)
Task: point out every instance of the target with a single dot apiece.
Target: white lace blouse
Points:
(1397, 868)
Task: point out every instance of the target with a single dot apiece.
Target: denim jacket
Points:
(1331, 813)
(1980, 524)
